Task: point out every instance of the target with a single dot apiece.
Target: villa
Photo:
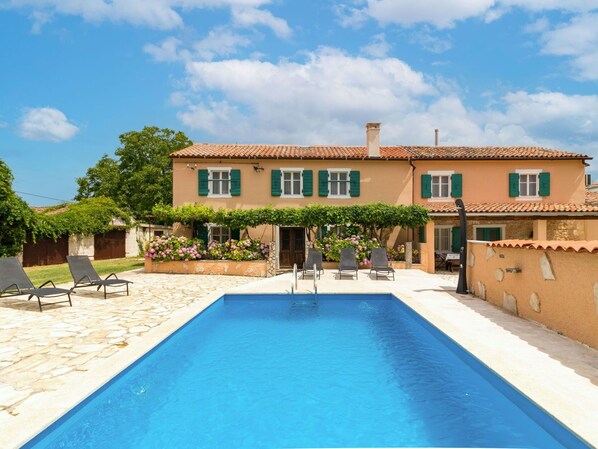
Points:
(509, 192)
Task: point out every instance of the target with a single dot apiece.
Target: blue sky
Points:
(74, 75)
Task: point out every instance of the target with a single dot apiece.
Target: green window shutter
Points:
(202, 182)
(422, 234)
(544, 179)
(426, 186)
(457, 185)
(513, 184)
(456, 240)
(235, 182)
(276, 187)
(308, 182)
(200, 232)
(235, 234)
(323, 183)
(354, 183)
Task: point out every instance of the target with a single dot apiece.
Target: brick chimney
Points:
(372, 134)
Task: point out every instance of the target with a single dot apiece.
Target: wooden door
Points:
(45, 252)
(110, 245)
(292, 247)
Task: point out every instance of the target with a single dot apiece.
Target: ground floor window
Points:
(488, 233)
(442, 238)
(220, 234)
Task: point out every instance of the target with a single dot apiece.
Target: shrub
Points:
(399, 254)
(182, 248)
(332, 243)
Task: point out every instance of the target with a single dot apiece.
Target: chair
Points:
(15, 282)
(348, 262)
(85, 275)
(314, 257)
(380, 263)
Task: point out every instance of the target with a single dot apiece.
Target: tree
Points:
(141, 175)
(16, 217)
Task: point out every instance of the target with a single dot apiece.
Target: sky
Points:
(74, 75)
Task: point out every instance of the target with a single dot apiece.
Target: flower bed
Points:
(363, 245)
(190, 256)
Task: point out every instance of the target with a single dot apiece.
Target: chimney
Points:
(372, 134)
(436, 137)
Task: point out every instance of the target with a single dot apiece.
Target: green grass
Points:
(60, 274)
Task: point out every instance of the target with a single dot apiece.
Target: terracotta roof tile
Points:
(592, 198)
(589, 246)
(206, 150)
(514, 207)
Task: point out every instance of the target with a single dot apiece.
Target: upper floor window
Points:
(339, 183)
(219, 182)
(529, 184)
(441, 185)
(292, 182)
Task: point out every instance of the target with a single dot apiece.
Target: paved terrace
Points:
(52, 360)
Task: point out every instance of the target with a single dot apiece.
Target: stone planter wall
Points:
(258, 268)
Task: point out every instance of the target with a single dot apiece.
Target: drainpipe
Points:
(412, 188)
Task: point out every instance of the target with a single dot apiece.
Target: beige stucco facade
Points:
(488, 181)
(381, 181)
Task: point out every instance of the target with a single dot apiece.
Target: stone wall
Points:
(556, 288)
(258, 268)
(565, 230)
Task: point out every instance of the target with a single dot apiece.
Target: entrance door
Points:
(292, 247)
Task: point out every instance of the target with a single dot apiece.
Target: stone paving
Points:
(39, 350)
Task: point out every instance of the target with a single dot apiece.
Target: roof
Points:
(592, 197)
(251, 151)
(589, 246)
(520, 207)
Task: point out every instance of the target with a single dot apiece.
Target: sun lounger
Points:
(348, 262)
(380, 263)
(15, 282)
(314, 257)
(85, 275)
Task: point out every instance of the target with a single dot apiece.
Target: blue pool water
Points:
(353, 371)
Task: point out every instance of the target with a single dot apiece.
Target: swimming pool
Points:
(256, 371)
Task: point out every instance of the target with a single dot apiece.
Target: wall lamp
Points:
(258, 168)
(192, 166)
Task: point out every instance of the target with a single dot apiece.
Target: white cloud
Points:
(577, 39)
(445, 13)
(158, 14)
(425, 39)
(167, 51)
(220, 42)
(248, 17)
(46, 124)
(377, 48)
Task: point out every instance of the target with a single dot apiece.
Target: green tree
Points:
(141, 174)
(16, 217)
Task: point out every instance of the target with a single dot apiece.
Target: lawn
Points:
(60, 274)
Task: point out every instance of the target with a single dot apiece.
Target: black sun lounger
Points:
(348, 262)
(380, 263)
(15, 282)
(314, 257)
(85, 275)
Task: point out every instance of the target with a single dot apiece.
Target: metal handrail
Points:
(295, 275)
(315, 284)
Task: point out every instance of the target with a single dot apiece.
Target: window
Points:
(339, 183)
(440, 186)
(528, 184)
(219, 182)
(488, 233)
(291, 183)
(220, 234)
(443, 238)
